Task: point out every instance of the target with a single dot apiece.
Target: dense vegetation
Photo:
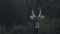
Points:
(15, 16)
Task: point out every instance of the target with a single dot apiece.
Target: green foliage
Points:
(23, 7)
(3, 30)
(49, 26)
(46, 26)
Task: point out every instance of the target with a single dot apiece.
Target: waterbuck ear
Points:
(31, 17)
(39, 13)
(42, 17)
(33, 13)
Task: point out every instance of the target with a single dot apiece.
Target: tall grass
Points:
(50, 26)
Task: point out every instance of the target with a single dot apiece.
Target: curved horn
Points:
(33, 13)
(39, 13)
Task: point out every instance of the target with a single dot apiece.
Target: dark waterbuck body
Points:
(36, 20)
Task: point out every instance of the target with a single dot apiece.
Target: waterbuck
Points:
(36, 21)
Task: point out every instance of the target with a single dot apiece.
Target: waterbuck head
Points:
(34, 16)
